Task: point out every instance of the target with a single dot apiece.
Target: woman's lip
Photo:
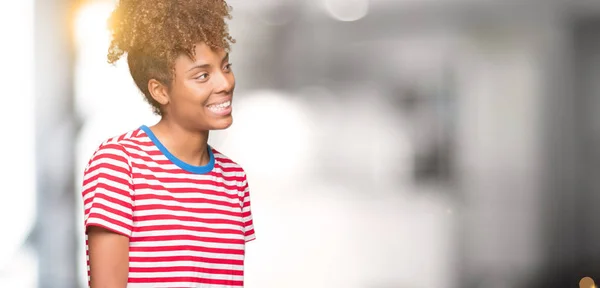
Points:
(220, 102)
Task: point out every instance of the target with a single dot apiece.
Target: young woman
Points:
(162, 207)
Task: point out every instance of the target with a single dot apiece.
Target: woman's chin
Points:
(221, 124)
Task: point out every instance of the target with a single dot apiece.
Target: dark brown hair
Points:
(153, 33)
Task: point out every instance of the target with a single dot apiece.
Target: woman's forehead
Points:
(203, 54)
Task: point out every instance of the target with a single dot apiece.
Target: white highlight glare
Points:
(17, 175)
(347, 10)
(91, 28)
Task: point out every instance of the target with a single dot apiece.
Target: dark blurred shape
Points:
(573, 185)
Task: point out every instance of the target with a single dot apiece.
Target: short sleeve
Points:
(248, 223)
(108, 190)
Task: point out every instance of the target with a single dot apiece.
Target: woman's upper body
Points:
(175, 224)
(162, 207)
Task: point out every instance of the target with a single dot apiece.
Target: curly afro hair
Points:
(153, 33)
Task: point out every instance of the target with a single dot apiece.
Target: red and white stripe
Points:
(185, 229)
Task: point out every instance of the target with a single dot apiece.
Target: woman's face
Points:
(202, 90)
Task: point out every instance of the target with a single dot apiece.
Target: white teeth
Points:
(221, 106)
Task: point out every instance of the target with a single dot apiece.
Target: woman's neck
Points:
(189, 146)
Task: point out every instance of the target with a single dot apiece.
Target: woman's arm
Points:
(108, 213)
(109, 258)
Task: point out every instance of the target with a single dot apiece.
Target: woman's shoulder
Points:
(122, 143)
(226, 163)
(135, 136)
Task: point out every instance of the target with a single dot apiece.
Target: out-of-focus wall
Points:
(499, 143)
(56, 128)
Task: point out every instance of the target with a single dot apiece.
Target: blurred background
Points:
(388, 143)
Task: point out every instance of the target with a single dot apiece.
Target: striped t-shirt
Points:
(187, 225)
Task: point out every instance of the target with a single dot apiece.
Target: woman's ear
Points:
(158, 91)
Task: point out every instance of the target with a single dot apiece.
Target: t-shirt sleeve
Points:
(248, 223)
(108, 190)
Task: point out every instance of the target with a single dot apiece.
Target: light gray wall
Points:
(54, 235)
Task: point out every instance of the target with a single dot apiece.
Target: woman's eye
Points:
(202, 77)
(228, 67)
